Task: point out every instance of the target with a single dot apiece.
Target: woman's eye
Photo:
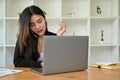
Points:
(31, 24)
(39, 21)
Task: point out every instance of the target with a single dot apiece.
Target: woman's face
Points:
(38, 24)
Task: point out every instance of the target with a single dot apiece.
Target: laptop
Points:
(64, 54)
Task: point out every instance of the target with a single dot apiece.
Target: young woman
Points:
(33, 26)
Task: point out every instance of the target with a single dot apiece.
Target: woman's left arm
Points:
(62, 29)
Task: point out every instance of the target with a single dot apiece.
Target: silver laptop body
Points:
(65, 54)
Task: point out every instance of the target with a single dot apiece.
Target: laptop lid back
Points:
(65, 53)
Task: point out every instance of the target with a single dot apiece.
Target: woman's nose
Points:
(37, 26)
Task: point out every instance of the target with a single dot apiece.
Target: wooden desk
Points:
(90, 74)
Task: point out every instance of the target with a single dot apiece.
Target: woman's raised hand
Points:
(62, 29)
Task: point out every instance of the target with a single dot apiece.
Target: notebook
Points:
(64, 54)
(106, 65)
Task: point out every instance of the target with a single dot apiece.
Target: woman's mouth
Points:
(39, 31)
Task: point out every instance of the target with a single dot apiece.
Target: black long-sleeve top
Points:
(21, 61)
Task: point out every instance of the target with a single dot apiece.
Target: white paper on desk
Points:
(5, 72)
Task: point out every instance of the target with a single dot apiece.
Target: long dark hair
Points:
(27, 39)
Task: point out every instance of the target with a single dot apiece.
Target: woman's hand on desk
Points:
(42, 64)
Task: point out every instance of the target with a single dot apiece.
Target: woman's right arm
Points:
(20, 61)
